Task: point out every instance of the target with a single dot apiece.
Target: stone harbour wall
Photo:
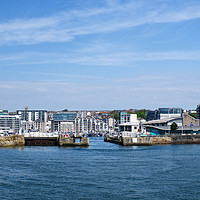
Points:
(154, 140)
(73, 141)
(11, 141)
(112, 139)
(162, 140)
(138, 141)
(186, 139)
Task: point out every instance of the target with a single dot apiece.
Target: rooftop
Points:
(168, 128)
(160, 121)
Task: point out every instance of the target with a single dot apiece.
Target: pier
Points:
(129, 141)
(153, 140)
(76, 141)
(48, 140)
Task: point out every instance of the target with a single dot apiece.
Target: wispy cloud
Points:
(60, 75)
(96, 58)
(65, 26)
(143, 92)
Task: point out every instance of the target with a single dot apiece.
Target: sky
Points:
(99, 54)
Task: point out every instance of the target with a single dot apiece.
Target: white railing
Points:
(38, 134)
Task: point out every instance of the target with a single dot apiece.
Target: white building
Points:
(33, 120)
(125, 117)
(94, 125)
(129, 125)
(33, 115)
(10, 123)
(129, 129)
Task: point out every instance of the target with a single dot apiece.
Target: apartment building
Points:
(164, 113)
(63, 122)
(9, 123)
(33, 120)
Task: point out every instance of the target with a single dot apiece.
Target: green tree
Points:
(174, 127)
(193, 115)
(116, 116)
(141, 114)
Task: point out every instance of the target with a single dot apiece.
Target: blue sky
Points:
(99, 54)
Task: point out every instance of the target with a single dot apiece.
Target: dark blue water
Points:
(102, 171)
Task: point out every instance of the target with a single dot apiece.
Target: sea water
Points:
(101, 171)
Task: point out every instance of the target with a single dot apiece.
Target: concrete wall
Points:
(133, 118)
(136, 141)
(186, 139)
(188, 120)
(161, 140)
(13, 140)
(155, 140)
(74, 142)
(140, 141)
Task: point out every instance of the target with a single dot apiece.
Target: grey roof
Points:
(167, 128)
(160, 121)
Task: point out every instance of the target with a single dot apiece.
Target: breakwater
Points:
(20, 140)
(11, 141)
(153, 140)
(74, 141)
(129, 141)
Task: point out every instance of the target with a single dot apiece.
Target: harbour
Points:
(99, 100)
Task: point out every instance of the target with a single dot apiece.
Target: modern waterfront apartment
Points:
(9, 123)
(63, 122)
(32, 115)
(163, 113)
(94, 124)
(33, 120)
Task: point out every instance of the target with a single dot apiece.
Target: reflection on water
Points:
(14, 148)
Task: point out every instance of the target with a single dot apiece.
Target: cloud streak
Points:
(93, 58)
(66, 26)
(137, 93)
